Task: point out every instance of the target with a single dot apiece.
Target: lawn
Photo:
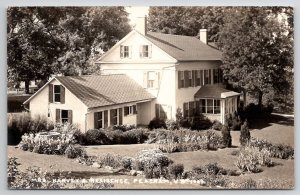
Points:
(275, 132)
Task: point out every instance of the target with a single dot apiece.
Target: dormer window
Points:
(124, 51)
(145, 51)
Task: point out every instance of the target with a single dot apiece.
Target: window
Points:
(203, 106)
(217, 109)
(64, 116)
(180, 79)
(206, 77)
(57, 93)
(130, 110)
(124, 51)
(151, 79)
(144, 51)
(99, 120)
(210, 106)
(198, 78)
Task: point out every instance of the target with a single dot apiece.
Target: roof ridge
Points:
(174, 34)
(90, 75)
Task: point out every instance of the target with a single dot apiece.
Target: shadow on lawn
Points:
(267, 121)
(86, 174)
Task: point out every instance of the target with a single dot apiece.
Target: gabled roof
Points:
(184, 48)
(104, 90)
(214, 91)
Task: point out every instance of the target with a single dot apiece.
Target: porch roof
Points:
(214, 91)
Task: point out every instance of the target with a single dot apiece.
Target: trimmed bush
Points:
(200, 122)
(217, 125)
(234, 122)
(172, 125)
(73, 151)
(176, 171)
(96, 137)
(128, 163)
(245, 134)
(111, 160)
(157, 123)
(124, 127)
(226, 136)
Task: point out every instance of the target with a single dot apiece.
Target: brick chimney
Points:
(141, 25)
(203, 35)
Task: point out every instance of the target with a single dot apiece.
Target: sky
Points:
(135, 12)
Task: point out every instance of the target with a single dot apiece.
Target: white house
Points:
(145, 75)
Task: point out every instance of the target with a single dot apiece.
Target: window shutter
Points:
(209, 76)
(186, 78)
(70, 116)
(134, 109)
(126, 110)
(194, 78)
(221, 75)
(51, 93)
(179, 79)
(150, 51)
(121, 51)
(197, 108)
(157, 110)
(105, 119)
(62, 94)
(145, 82)
(120, 116)
(96, 117)
(185, 107)
(201, 77)
(57, 115)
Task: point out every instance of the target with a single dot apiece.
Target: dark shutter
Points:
(201, 77)
(57, 115)
(62, 94)
(197, 108)
(179, 79)
(70, 116)
(96, 117)
(186, 78)
(194, 78)
(209, 76)
(105, 118)
(120, 116)
(111, 114)
(157, 110)
(134, 109)
(126, 110)
(50, 93)
(221, 75)
(185, 108)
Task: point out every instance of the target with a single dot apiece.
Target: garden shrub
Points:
(157, 123)
(153, 162)
(226, 136)
(46, 144)
(217, 125)
(245, 134)
(176, 171)
(210, 174)
(111, 160)
(234, 122)
(124, 127)
(251, 159)
(86, 160)
(128, 163)
(200, 122)
(134, 136)
(19, 124)
(73, 151)
(276, 150)
(96, 137)
(172, 124)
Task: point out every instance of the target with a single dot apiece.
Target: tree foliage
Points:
(257, 49)
(50, 40)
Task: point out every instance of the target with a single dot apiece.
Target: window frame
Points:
(124, 51)
(55, 93)
(100, 119)
(131, 110)
(144, 53)
(150, 82)
(61, 116)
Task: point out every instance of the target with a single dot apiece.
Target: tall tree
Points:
(256, 48)
(186, 20)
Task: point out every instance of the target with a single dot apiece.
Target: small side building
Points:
(93, 101)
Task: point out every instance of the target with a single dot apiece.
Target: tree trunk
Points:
(260, 96)
(27, 87)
